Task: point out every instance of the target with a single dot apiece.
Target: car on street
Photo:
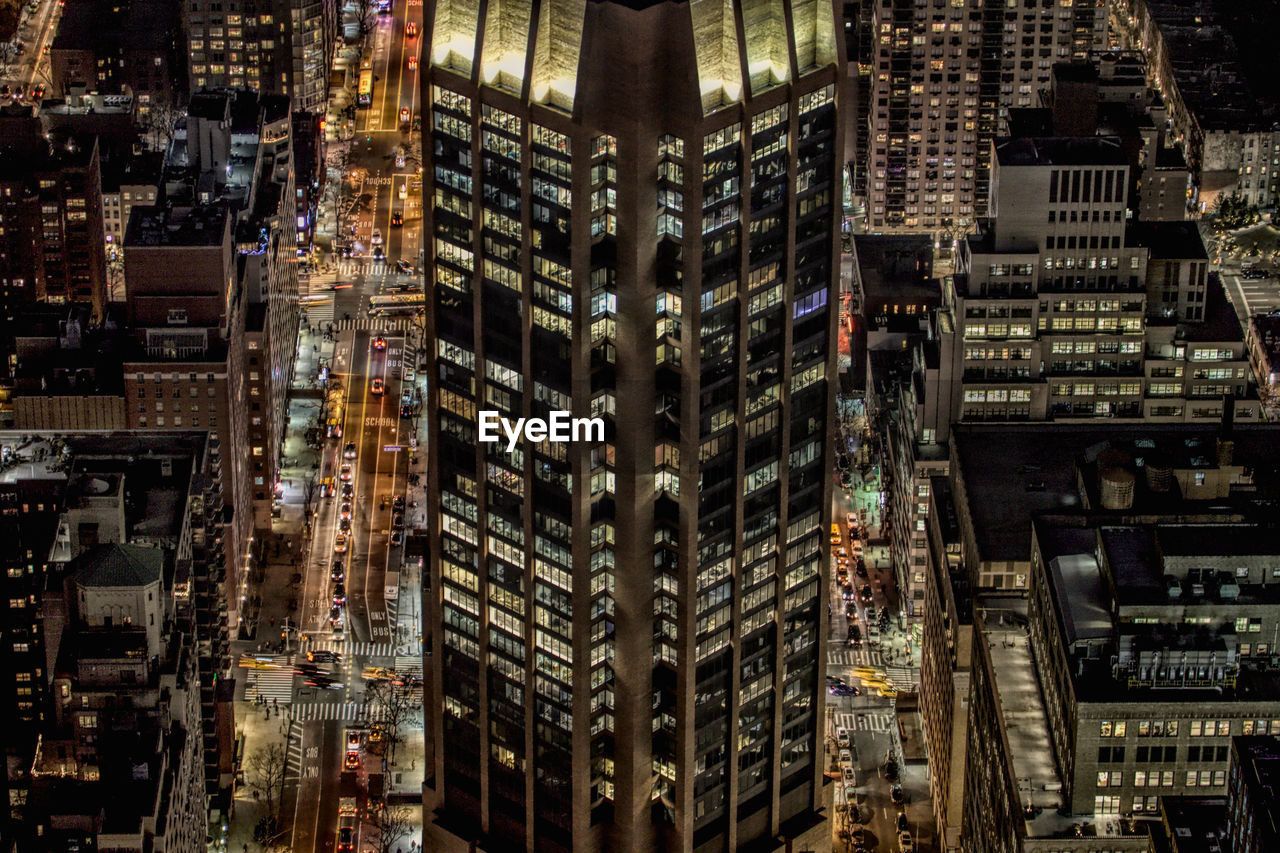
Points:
(397, 220)
(905, 844)
(895, 794)
(873, 634)
(337, 573)
(413, 63)
(842, 690)
(324, 683)
(340, 543)
(346, 839)
(377, 673)
(379, 342)
(417, 123)
(846, 757)
(376, 239)
(903, 824)
(348, 490)
(398, 504)
(851, 520)
(344, 525)
(404, 191)
(855, 635)
(865, 593)
(378, 254)
(310, 669)
(891, 769)
(345, 473)
(404, 115)
(349, 452)
(404, 267)
(411, 29)
(836, 537)
(376, 387)
(351, 761)
(345, 511)
(324, 656)
(339, 594)
(842, 738)
(397, 537)
(849, 776)
(397, 521)
(861, 568)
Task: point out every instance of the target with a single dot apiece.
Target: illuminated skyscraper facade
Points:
(632, 216)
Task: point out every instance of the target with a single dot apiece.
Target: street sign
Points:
(392, 448)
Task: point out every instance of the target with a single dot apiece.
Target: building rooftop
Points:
(118, 564)
(1178, 239)
(1014, 472)
(1221, 325)
(202, 225)
(1060, 151)
(1077, 585)
(1195, 824)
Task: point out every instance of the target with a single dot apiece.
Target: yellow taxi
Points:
(836, 537)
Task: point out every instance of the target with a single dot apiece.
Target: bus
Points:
(384, 7)
(364, 94)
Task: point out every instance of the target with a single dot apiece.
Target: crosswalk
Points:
(271, 684)
(356, 649)
(370, 324)
(348, 267)
(862, 656)
(866, 721)
(409, 664)
(345, 712)
(294, 751)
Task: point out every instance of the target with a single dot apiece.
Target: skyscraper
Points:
(633, 217)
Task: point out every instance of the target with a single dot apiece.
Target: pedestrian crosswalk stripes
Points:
(271, 684)
(294, 763)
(362, 266)
(348, 712)
(858, 656)
(384, 324)
(406, 664)
(866, 721)
(356, 649)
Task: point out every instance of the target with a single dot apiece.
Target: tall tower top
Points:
(545, 60)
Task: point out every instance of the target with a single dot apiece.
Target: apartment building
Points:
(50, 221)
(274, 47)
(116, 555)
(942, 74)
(1050, 305)
(1118, 594)
(108, 47)
(1230, 137)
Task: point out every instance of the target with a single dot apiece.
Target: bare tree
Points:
(391, 824)
(267, 769)
(395, 705)
(158, 124)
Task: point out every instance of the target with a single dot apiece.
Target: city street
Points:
(356, 610)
